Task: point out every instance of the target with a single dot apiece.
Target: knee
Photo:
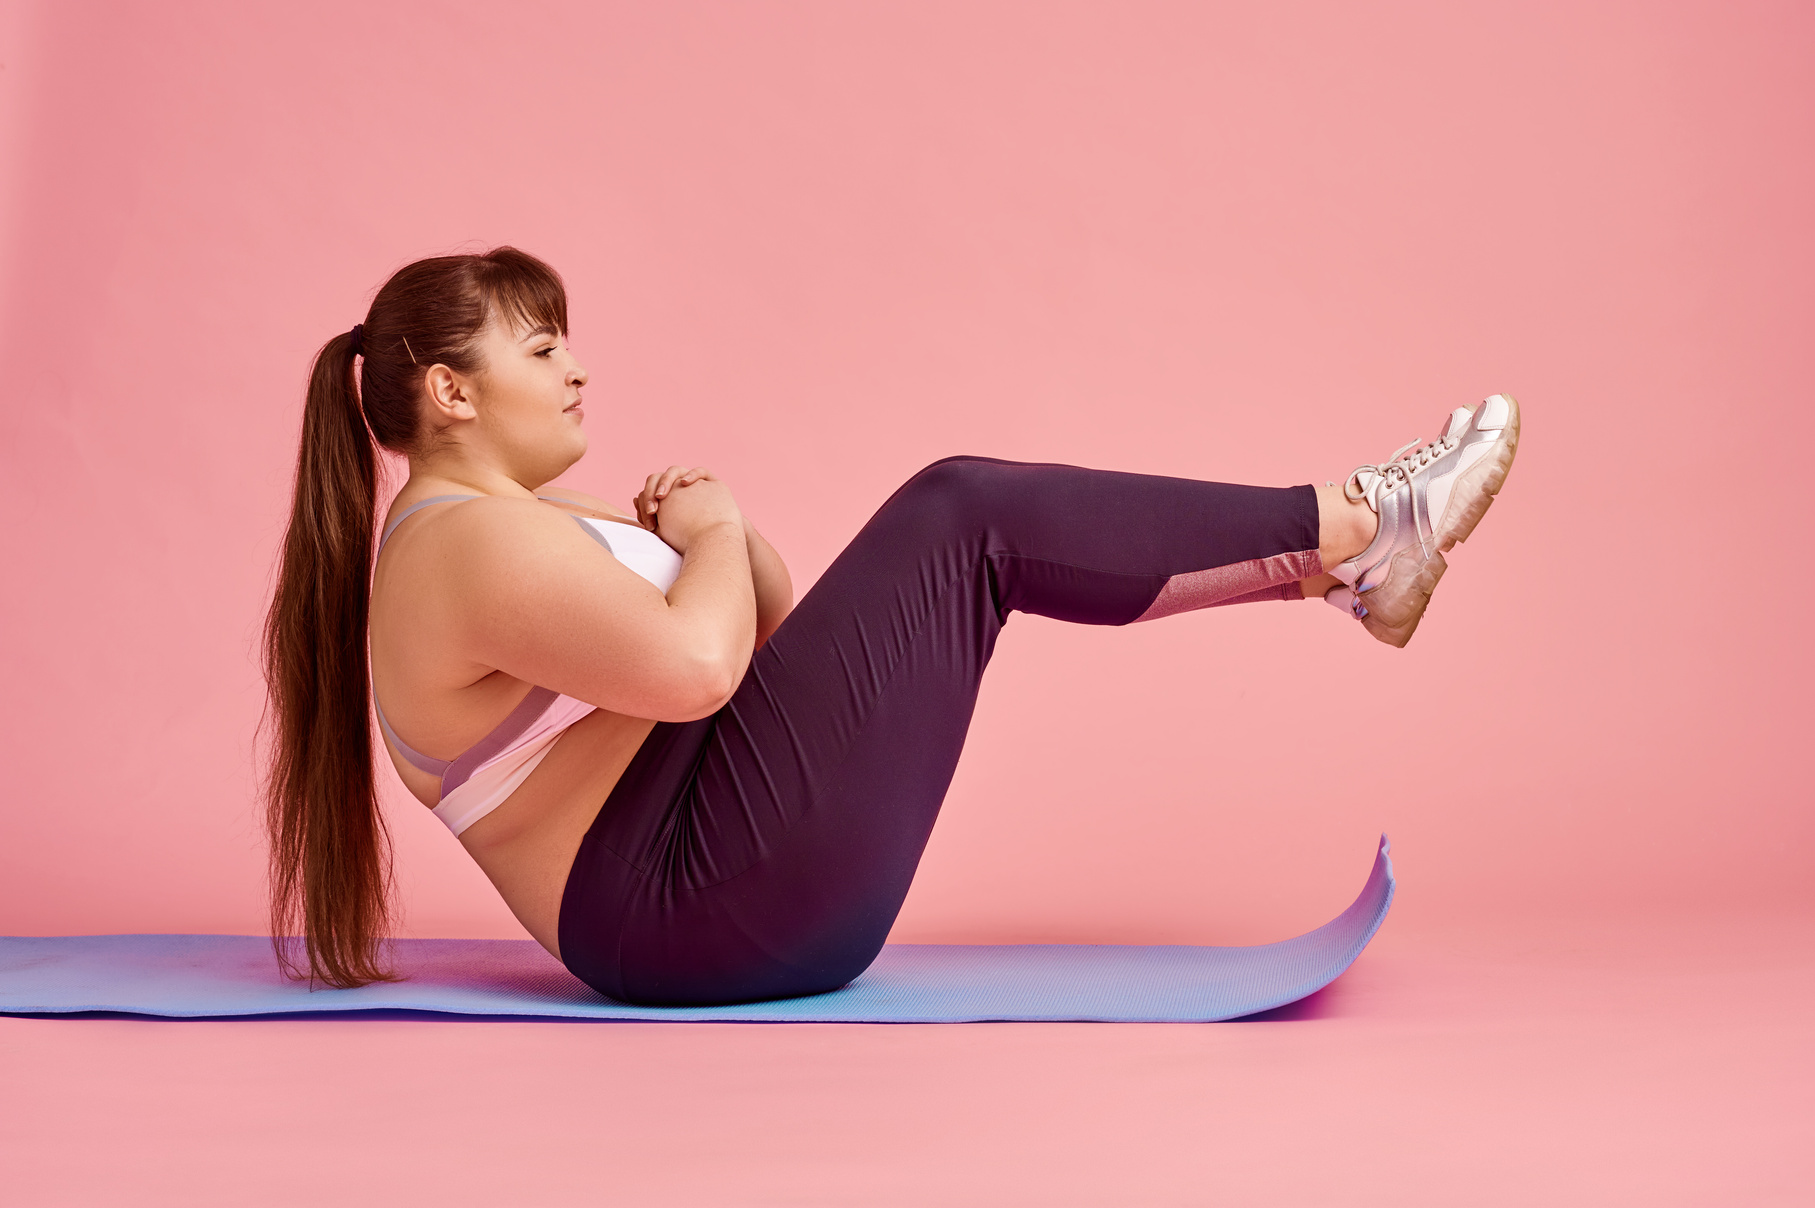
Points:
(962, 482)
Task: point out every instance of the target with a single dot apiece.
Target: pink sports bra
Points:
(476, 782)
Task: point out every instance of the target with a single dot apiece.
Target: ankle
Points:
(1345, 526)
(1318, 586)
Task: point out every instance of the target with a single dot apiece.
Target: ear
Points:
(449, 395)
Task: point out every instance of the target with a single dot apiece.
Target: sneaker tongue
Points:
(1459, 420)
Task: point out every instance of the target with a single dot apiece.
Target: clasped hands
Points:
(674, 514)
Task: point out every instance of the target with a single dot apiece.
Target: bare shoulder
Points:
(476, 549)
(512, 538)
(518, 567)
(585, 502)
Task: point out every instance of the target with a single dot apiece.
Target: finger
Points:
(668, 480)
(691, 477)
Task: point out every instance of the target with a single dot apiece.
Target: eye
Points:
(542, 352)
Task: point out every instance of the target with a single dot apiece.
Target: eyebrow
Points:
(547, 329)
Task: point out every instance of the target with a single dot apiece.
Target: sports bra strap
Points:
(456, 772)
(434, 499)
(428, 763)
(417, 507)
(525, 715)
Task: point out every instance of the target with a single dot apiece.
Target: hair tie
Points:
(355, 338)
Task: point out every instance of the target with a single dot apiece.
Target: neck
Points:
(456, 470)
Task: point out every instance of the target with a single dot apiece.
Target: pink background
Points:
(815, 246)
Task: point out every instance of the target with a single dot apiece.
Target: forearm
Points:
(713, 600)
(773, 586)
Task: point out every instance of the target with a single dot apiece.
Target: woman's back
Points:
(514, 768)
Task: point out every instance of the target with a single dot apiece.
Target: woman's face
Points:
(527, 402)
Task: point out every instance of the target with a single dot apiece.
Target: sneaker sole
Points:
(1415, 577)
(1393, 617)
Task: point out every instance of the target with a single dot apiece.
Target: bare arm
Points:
(539, 600)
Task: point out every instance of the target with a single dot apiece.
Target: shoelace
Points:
(1396, 469)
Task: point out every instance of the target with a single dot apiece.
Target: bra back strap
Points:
(509, 730)
(456, 772)
(417, 507)
(428, 763)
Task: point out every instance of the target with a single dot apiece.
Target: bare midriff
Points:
(527, 845)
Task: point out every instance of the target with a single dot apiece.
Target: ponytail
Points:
(330, 852)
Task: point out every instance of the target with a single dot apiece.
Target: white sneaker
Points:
(1427, 500)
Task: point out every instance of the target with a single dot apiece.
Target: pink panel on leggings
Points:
(1279, 591)
(1253, 579)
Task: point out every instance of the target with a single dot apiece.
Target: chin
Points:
(549, 460)
(573, 448)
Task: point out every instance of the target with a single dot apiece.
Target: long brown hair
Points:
(330, 852)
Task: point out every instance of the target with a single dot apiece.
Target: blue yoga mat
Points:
(235, 975)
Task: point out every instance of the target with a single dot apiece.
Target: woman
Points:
(685, 789)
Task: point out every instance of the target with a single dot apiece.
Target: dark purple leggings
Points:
(763, 852)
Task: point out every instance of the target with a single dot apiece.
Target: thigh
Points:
(765, 851)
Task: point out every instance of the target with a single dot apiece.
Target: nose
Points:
(577, 375)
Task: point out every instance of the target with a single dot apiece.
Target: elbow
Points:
(717, 675)
(718, 689)
(704, 687)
